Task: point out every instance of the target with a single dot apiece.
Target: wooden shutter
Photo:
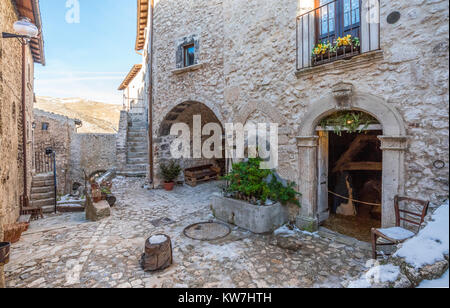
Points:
(370, 25)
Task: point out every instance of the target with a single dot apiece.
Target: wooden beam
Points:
(355, 147)
(363, 166)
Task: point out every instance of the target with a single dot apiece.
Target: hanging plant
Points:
(352, 122)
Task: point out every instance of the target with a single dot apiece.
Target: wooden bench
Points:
(205, 173)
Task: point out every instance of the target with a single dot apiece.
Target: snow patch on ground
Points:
(377, 274)
(431, 244)
(220, 253)
(286, 231)
(157, 239)
(443, 282)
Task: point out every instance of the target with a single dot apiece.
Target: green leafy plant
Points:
(352, 121)
(105, 190)
(247, 181)
(169, 172)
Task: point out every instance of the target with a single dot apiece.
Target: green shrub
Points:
(249, 181)
(170, 171)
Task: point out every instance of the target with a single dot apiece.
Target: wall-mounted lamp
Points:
(25, 30)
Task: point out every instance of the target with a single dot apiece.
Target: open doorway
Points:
(350, 174)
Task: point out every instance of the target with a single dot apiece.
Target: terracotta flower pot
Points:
(169, 186)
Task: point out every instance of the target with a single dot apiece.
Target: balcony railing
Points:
(339, 29)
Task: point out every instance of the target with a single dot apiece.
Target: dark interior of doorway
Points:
(355, 159)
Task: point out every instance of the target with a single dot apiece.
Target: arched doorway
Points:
(349, 173)
(393, 147)
(185, 113)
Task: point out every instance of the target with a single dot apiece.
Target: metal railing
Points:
(330, 24)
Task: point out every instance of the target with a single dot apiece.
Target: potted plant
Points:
(169, 172)
(255, 198)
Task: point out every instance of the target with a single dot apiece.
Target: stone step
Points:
(137, 134)
(136, 138)
(44, 183)
(137, 154)
(43, 202)
(138, 160)
(48, 208)
(43, 176)
(138, 123)
(42, 196)
(43, 189)
(137, 130)
(137, 143)
(141, 149)
(133, 174)
(136, 167)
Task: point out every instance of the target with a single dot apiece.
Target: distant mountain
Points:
(97, 117)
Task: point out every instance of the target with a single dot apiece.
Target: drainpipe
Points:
(150, 100)
(25, 199)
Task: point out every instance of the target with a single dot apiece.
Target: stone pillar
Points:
(394, 148)
(307, 155)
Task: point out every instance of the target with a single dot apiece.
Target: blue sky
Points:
(88, 59)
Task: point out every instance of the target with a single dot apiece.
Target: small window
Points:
(189, 55)
(45, 126)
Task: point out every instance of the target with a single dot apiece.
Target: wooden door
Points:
(323, 164)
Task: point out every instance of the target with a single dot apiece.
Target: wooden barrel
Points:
(158, 253)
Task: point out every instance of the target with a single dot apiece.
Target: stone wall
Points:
(11, 147)
(91, 152)
(58, 136)
(248, 53)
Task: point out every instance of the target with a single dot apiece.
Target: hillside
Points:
(97, 117)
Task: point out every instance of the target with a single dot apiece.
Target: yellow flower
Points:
(344, 41)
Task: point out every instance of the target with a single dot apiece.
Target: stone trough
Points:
(254, 218)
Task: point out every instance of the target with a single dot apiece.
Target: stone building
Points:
(239, 61)
(13, 124)
(54, 132)
(76, 154)
(16, 108)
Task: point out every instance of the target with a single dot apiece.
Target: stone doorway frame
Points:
(393, 145)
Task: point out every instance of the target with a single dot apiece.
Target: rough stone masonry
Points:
(246, 71)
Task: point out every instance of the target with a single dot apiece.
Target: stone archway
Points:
(393, 145)
(183, 113)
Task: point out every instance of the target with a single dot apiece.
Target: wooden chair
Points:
(35, 212)
(398, 234)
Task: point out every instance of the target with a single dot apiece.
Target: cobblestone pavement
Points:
(67, 251)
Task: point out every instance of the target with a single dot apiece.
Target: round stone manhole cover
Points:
(207, 231)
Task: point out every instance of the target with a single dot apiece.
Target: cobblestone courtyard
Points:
(67, 251)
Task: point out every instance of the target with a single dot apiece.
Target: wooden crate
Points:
(199, 174)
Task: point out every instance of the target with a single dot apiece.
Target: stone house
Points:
(240, 61)
(76, 154)
(16, 127)
(16, 109)
(55, 132)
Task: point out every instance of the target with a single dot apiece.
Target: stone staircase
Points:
(137, 146)
(43, 192)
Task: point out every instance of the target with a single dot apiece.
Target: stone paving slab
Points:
(67, 251)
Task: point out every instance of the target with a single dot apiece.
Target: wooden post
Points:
(158, 253)
(2, 274)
